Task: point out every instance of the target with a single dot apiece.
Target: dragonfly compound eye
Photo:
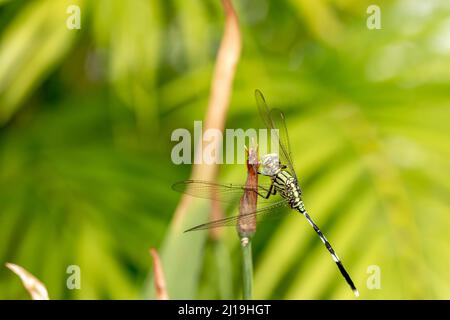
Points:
(270, 164)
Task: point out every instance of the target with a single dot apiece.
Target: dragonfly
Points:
(283, 181)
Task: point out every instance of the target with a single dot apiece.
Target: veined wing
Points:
(217, 191)
(274, 119)
(268, 212)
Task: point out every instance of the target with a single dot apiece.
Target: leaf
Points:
(30, 48)
(34, 287)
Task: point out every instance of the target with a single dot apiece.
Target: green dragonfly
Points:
(283, 181)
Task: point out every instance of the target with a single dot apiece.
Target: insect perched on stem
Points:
(279, 168)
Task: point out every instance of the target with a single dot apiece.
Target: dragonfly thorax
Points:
(288, 188)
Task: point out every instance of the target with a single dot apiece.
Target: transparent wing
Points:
(274, 119)
(275, 210)
(217, 191)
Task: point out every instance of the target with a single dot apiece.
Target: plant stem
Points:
(247, 267)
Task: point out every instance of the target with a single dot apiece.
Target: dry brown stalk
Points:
(158, 276)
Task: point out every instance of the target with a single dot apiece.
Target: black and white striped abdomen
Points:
(288, 188)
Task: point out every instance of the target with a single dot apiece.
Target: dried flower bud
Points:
(247, 220)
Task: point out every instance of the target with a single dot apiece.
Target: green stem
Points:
(247, 267)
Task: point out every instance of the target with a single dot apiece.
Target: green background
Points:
(85, 123)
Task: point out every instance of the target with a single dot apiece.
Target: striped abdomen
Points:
(288, 188)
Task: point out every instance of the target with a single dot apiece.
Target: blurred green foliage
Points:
(86, 117)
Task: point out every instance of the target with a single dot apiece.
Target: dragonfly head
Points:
(271, 165)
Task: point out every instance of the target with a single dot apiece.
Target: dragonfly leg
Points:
(270, 192)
